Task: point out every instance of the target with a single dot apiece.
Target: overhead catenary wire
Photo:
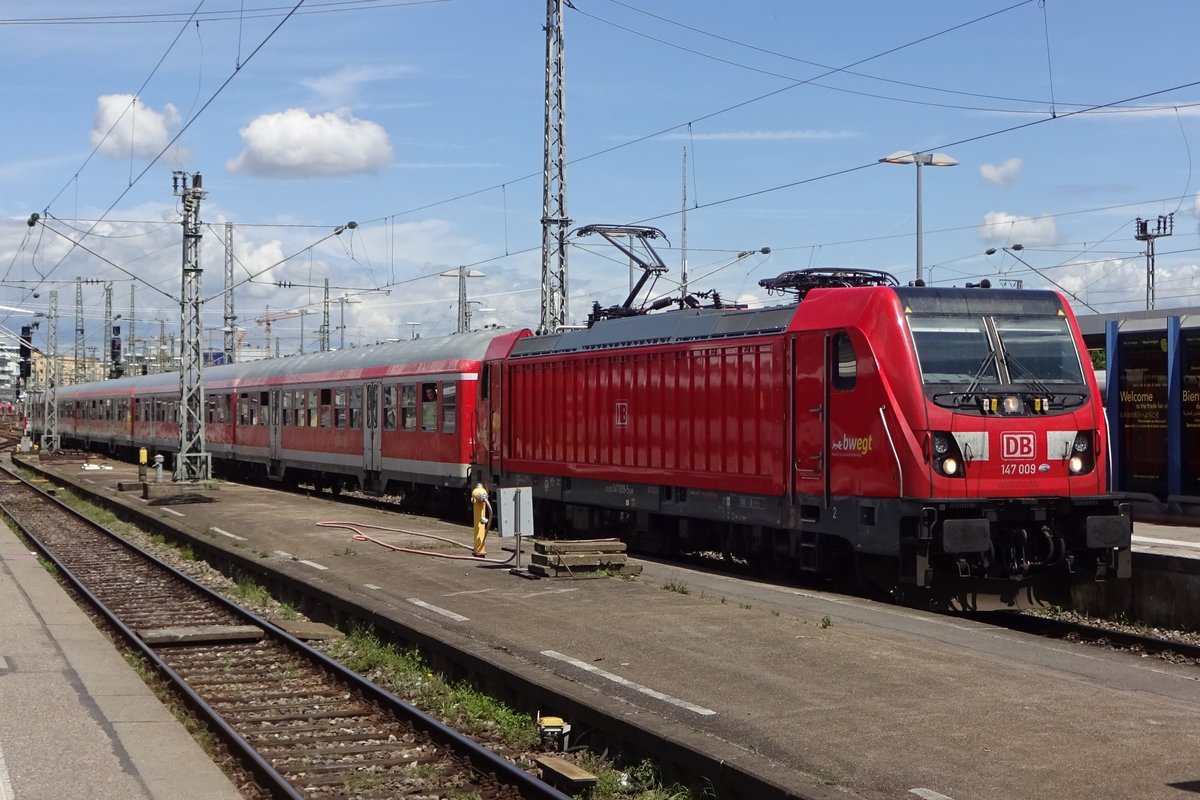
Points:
(264, 12)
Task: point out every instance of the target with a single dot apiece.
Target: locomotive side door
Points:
(372, 441)
(810, 417)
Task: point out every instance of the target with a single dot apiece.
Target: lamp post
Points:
(1012, 251)
(481, 309)
(921, 160)
(464, 313)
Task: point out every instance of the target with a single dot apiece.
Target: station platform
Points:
(76, 721)
(827, 695)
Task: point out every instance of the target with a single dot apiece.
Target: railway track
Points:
(1098, 634)
(302, 724)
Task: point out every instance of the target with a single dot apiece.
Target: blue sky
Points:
(422, 122)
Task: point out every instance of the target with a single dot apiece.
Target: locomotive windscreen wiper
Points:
(1030, 377)
(977, 378)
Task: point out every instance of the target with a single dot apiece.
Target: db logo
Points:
(1018, 446)
(622, 414)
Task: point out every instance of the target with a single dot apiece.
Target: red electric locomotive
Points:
(937, 441)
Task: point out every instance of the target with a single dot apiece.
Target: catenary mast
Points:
(554, 179)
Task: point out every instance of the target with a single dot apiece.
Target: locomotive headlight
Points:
(1013, 405)
(947, 457)
(1082, 454)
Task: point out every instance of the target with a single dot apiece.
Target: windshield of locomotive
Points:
(970, 350)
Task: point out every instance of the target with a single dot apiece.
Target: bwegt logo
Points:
(852, 444)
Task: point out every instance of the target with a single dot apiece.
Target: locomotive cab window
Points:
(965, 356)
(845, 368)
(1039, 349)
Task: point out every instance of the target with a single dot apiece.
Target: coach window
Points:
(339, 408)
(210, 408)
(326, 406)
(264, 403)
(408, 406)
(286, 417)
(389, 408)
(846, 368)
(243, 417)
(449, 407)
(354, 406)
(314, 409)
(429, 393)
(254, 413)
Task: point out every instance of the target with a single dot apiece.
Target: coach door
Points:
(810, 418)
(275, 417)
(372, 441)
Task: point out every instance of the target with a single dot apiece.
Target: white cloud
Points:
(124, 125)
(296, 144)
(341, 88)
(1002, 174)
(1002, 227)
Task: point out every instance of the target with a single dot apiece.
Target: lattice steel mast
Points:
(325, 320)
(79, 374)
(130, 353)
(53, 375)
(194, 463)
(230, 328)
(554, 179)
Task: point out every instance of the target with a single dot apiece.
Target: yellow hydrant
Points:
(482, 507)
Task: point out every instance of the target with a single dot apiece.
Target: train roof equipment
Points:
(799, 282)
(642, 254)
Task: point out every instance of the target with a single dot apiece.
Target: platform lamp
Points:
(921, 160)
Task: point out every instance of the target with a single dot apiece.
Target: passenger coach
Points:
(392, 417)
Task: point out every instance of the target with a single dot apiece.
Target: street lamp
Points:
(412, 327)
(991, 251)
(467, 322)
(921, 160)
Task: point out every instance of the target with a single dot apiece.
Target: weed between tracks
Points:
(406, 673)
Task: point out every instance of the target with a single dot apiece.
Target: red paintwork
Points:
(721, 415)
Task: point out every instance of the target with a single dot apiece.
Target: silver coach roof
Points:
(471, 346)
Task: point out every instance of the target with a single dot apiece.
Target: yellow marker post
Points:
(482, 507)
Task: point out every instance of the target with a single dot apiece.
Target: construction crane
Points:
(267, 318)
